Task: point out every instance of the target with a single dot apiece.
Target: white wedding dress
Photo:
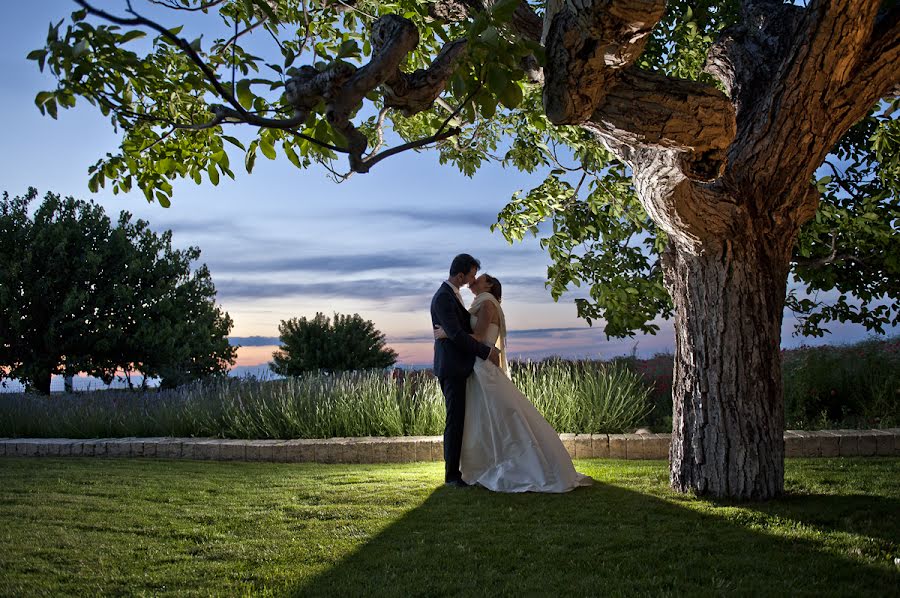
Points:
(507, 445)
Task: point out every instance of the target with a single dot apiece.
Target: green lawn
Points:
(92, 526)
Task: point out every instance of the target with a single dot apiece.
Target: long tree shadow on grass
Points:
(860, 509)
(604, 540)
(875, 517)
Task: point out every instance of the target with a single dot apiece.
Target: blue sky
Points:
(286, 243)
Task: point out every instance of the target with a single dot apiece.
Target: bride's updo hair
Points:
(496, 289)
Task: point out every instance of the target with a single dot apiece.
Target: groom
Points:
(454, 357)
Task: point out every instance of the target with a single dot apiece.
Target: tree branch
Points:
(199, 7)
(379, 131)
(239, 34)
(367, 164)
(459, 108)
(180, 42)
(588, 44)
(651, 110)
(415, 92)
(800, 78)
(832, 258)
(882, 57)
(524, 22)
(343, 87)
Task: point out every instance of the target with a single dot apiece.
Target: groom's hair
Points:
(496, 288)
(463, 264)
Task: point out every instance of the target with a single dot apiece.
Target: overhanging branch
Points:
(342, 87)
(588, 44)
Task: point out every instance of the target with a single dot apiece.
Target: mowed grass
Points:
(148, 527)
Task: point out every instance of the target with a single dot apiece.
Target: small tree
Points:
(80, 295)
(347, 343)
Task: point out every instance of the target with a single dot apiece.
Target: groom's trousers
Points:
(454, 389)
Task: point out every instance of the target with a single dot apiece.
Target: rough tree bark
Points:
(727, 177)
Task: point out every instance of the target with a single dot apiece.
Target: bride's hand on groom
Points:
(439, 333)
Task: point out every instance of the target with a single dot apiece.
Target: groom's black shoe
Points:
(457, 484)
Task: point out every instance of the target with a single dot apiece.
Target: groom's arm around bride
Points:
(455, 355)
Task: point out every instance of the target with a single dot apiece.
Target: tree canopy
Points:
(345, 343)
(339, 82)
(78, 294)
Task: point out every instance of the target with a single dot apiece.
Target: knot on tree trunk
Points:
(694, 216)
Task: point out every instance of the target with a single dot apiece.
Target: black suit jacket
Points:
(454, 356)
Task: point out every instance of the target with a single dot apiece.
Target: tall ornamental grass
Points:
(583, 397)
(573, 398)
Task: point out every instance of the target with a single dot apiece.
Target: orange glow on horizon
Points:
(255, 355)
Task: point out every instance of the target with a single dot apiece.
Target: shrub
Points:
(850, 386)
(346, 343)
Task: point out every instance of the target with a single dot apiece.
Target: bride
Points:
(507, 444)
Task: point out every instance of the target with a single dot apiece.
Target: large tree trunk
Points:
(728, 416)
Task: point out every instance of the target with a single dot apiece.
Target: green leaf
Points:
(267, 148)
(213, 174)
(490, 37)
(165, 166)
(80, 48)
(288, 57)
(349, 48)
(488, 108)
(244, 95)
(131, 35)
(291, 154)
(504, 9)
(497, 79)
(41, 98)
(267, 10)
(511, 96)
(233, 141)
(163, 199)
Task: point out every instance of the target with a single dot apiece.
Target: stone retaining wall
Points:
(830, 443)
